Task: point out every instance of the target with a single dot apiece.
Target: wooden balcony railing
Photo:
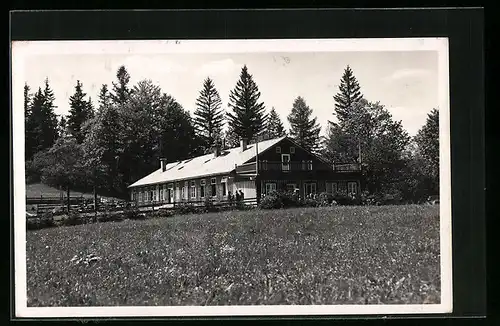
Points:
(250, 168)
(349, 167)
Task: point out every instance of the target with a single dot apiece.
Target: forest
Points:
(107, 144)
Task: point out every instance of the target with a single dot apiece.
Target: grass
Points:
(333, 255)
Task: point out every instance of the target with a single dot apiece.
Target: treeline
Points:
(110, 144)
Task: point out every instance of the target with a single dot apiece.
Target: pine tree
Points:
(274, 127)
(27, 101)
(349, 93)
(90, 109)
(29, 132)
(104, 98)
(80, 111)
(62, 127)
(42, 121)
(248, 117)
(230, 139)
(427, 140)
(121, 91)
(208, 117)
(304, 129)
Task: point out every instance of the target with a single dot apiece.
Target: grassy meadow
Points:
(331, 255)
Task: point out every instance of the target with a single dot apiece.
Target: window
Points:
(155, 193)
(292, 150)
(270, 186)
(202, 188)
(185, 190)
(285, 162)
(264, 165)
(278, 149)
(224, 186)
(352, 187)
(291, 186)
(193, 189)
(304, 165)
(140, 196)
(177, 191)
(310, 165)
(213, 187)
(310, 188)
(331, 187)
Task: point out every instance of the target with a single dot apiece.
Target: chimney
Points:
(163, 164)
(216, 151)
(243, 144)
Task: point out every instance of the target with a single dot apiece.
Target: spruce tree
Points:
(46, 119)
(303, 128)
(349, 93)
(208, 117)
(121, 92)
(27, 101)
(248, 117)
(274, 126)
(427, 140)
(29, 135)
(62, 127)
(80, 111)
(104, 98)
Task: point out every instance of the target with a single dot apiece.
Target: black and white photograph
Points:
(232, 177)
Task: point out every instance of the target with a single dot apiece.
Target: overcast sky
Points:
(405, 82)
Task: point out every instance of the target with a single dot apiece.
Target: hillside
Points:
(43, 190)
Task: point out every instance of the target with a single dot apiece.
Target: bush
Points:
(133, 214)
(183, 209)
(161, 213)
(325, 199)
(111, 217)
(44, 221)
(277, 199)
(73, 218)
(271, 201)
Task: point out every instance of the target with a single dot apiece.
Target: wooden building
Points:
(255, 169)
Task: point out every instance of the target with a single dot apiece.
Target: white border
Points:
(21, 50)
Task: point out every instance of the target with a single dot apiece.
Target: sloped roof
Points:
(205, 165)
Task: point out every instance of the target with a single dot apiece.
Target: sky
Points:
(405, 82)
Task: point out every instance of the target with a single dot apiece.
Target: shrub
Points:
(133, 214)
(73, 218)
(310, 202)
(184, 208)
(161, 213)
(111, 217)
(325, 199)
(271, 201)
(44, 221)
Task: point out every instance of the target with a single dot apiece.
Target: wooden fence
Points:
(219, 203)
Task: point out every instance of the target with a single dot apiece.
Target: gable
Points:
(286, 146)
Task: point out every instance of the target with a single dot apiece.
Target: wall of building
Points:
(297, 155)
(159, 192)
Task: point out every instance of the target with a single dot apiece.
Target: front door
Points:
(170, 195)
(285, 162)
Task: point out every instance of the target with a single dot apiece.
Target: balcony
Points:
(349, 167)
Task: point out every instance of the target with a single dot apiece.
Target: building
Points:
(282, 165)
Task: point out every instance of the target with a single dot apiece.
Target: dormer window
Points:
(278, 149)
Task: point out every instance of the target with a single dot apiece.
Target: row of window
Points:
(310, 187)
(167, 193)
